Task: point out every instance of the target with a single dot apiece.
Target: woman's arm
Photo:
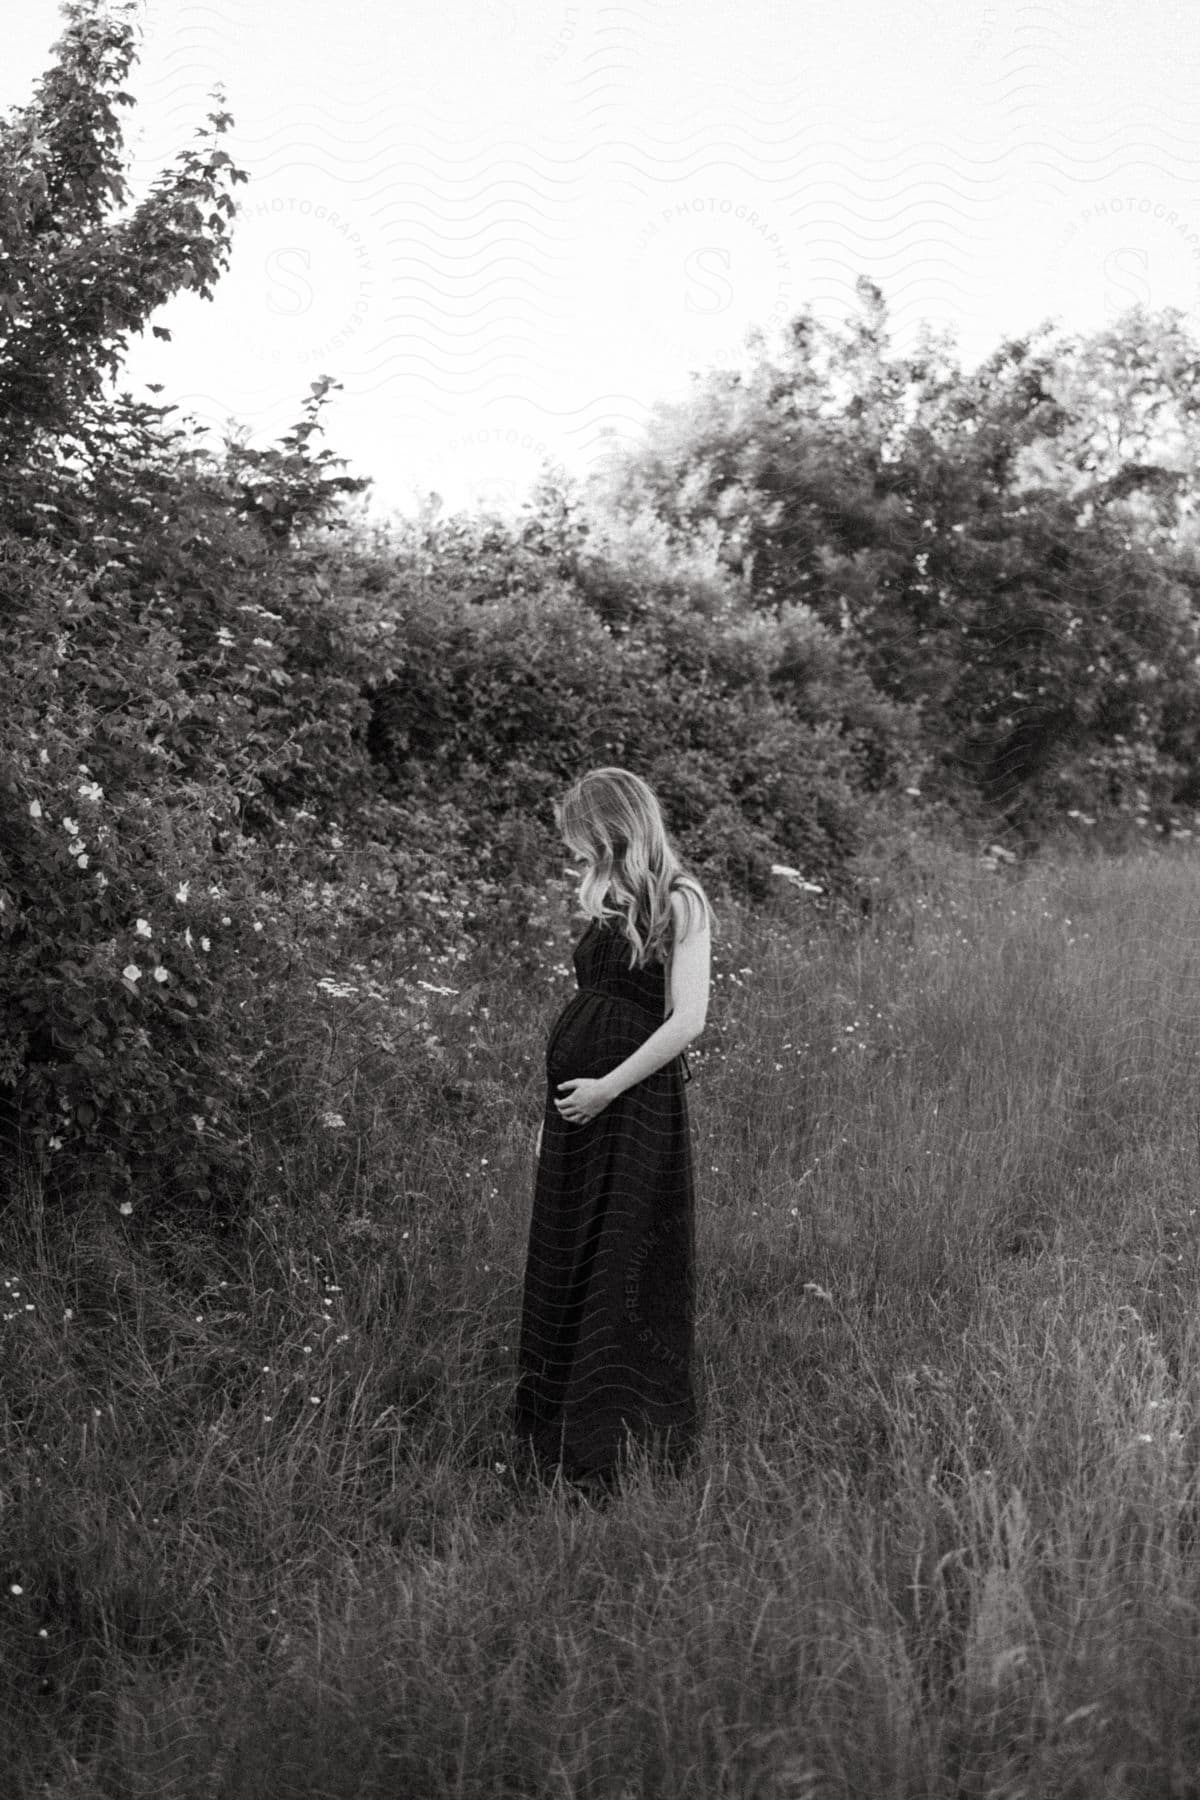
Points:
(690, 971)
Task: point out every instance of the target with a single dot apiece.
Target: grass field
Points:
(261, 1529)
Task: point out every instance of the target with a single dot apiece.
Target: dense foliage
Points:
(248, 740)
(1012, 551)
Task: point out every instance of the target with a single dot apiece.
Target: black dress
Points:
(609, 1300)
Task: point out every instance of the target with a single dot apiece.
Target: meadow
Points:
(264, 1536)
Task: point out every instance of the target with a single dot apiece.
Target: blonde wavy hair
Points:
(613, 819)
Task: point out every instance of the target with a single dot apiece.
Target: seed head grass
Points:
(265, 1533)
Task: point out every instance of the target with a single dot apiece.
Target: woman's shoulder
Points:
(689, 903)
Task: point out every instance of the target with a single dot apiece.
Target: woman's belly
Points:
(594, 1033)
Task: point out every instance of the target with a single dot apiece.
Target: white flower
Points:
(101, 879)
(160, 974)
(81, 861)
(35, 809)
(794, 876)
(70, 827)
(90, 790)
(181, 892)
(204, 943)
(76, 847)
(198, 1122)
(126, 1207)
(56, 1143)
(187, 936)
(131, 972)
(333, 1121)
(143, 928)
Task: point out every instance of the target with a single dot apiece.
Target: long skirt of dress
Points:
(606, 1340)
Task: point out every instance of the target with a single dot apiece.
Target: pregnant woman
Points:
(609, 1299)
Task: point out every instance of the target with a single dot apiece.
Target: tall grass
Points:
(264, 1535)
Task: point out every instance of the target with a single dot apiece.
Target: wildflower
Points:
(187, 936)
(15, 1588)
(143, 928)
(131, 972)
(56, 1143)
(204, 943)
(70, 827)
(160, 974)
(333, 1121)
(101, 879)
(76, 848)
(81, 862)
(796, 878)
(125, 1208)
(181, 892)
(198, 1122)
(90, 790)
(35, 809)
(817, 1291)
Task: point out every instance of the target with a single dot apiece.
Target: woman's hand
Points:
(586, 1100)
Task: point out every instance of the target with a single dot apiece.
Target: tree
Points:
(77, 274)
(958, 530)
(180, 690)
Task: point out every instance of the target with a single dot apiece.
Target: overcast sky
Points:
(508, 225)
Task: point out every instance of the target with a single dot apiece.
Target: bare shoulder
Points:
(688, 910)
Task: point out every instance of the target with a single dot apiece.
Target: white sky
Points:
(508, 225)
